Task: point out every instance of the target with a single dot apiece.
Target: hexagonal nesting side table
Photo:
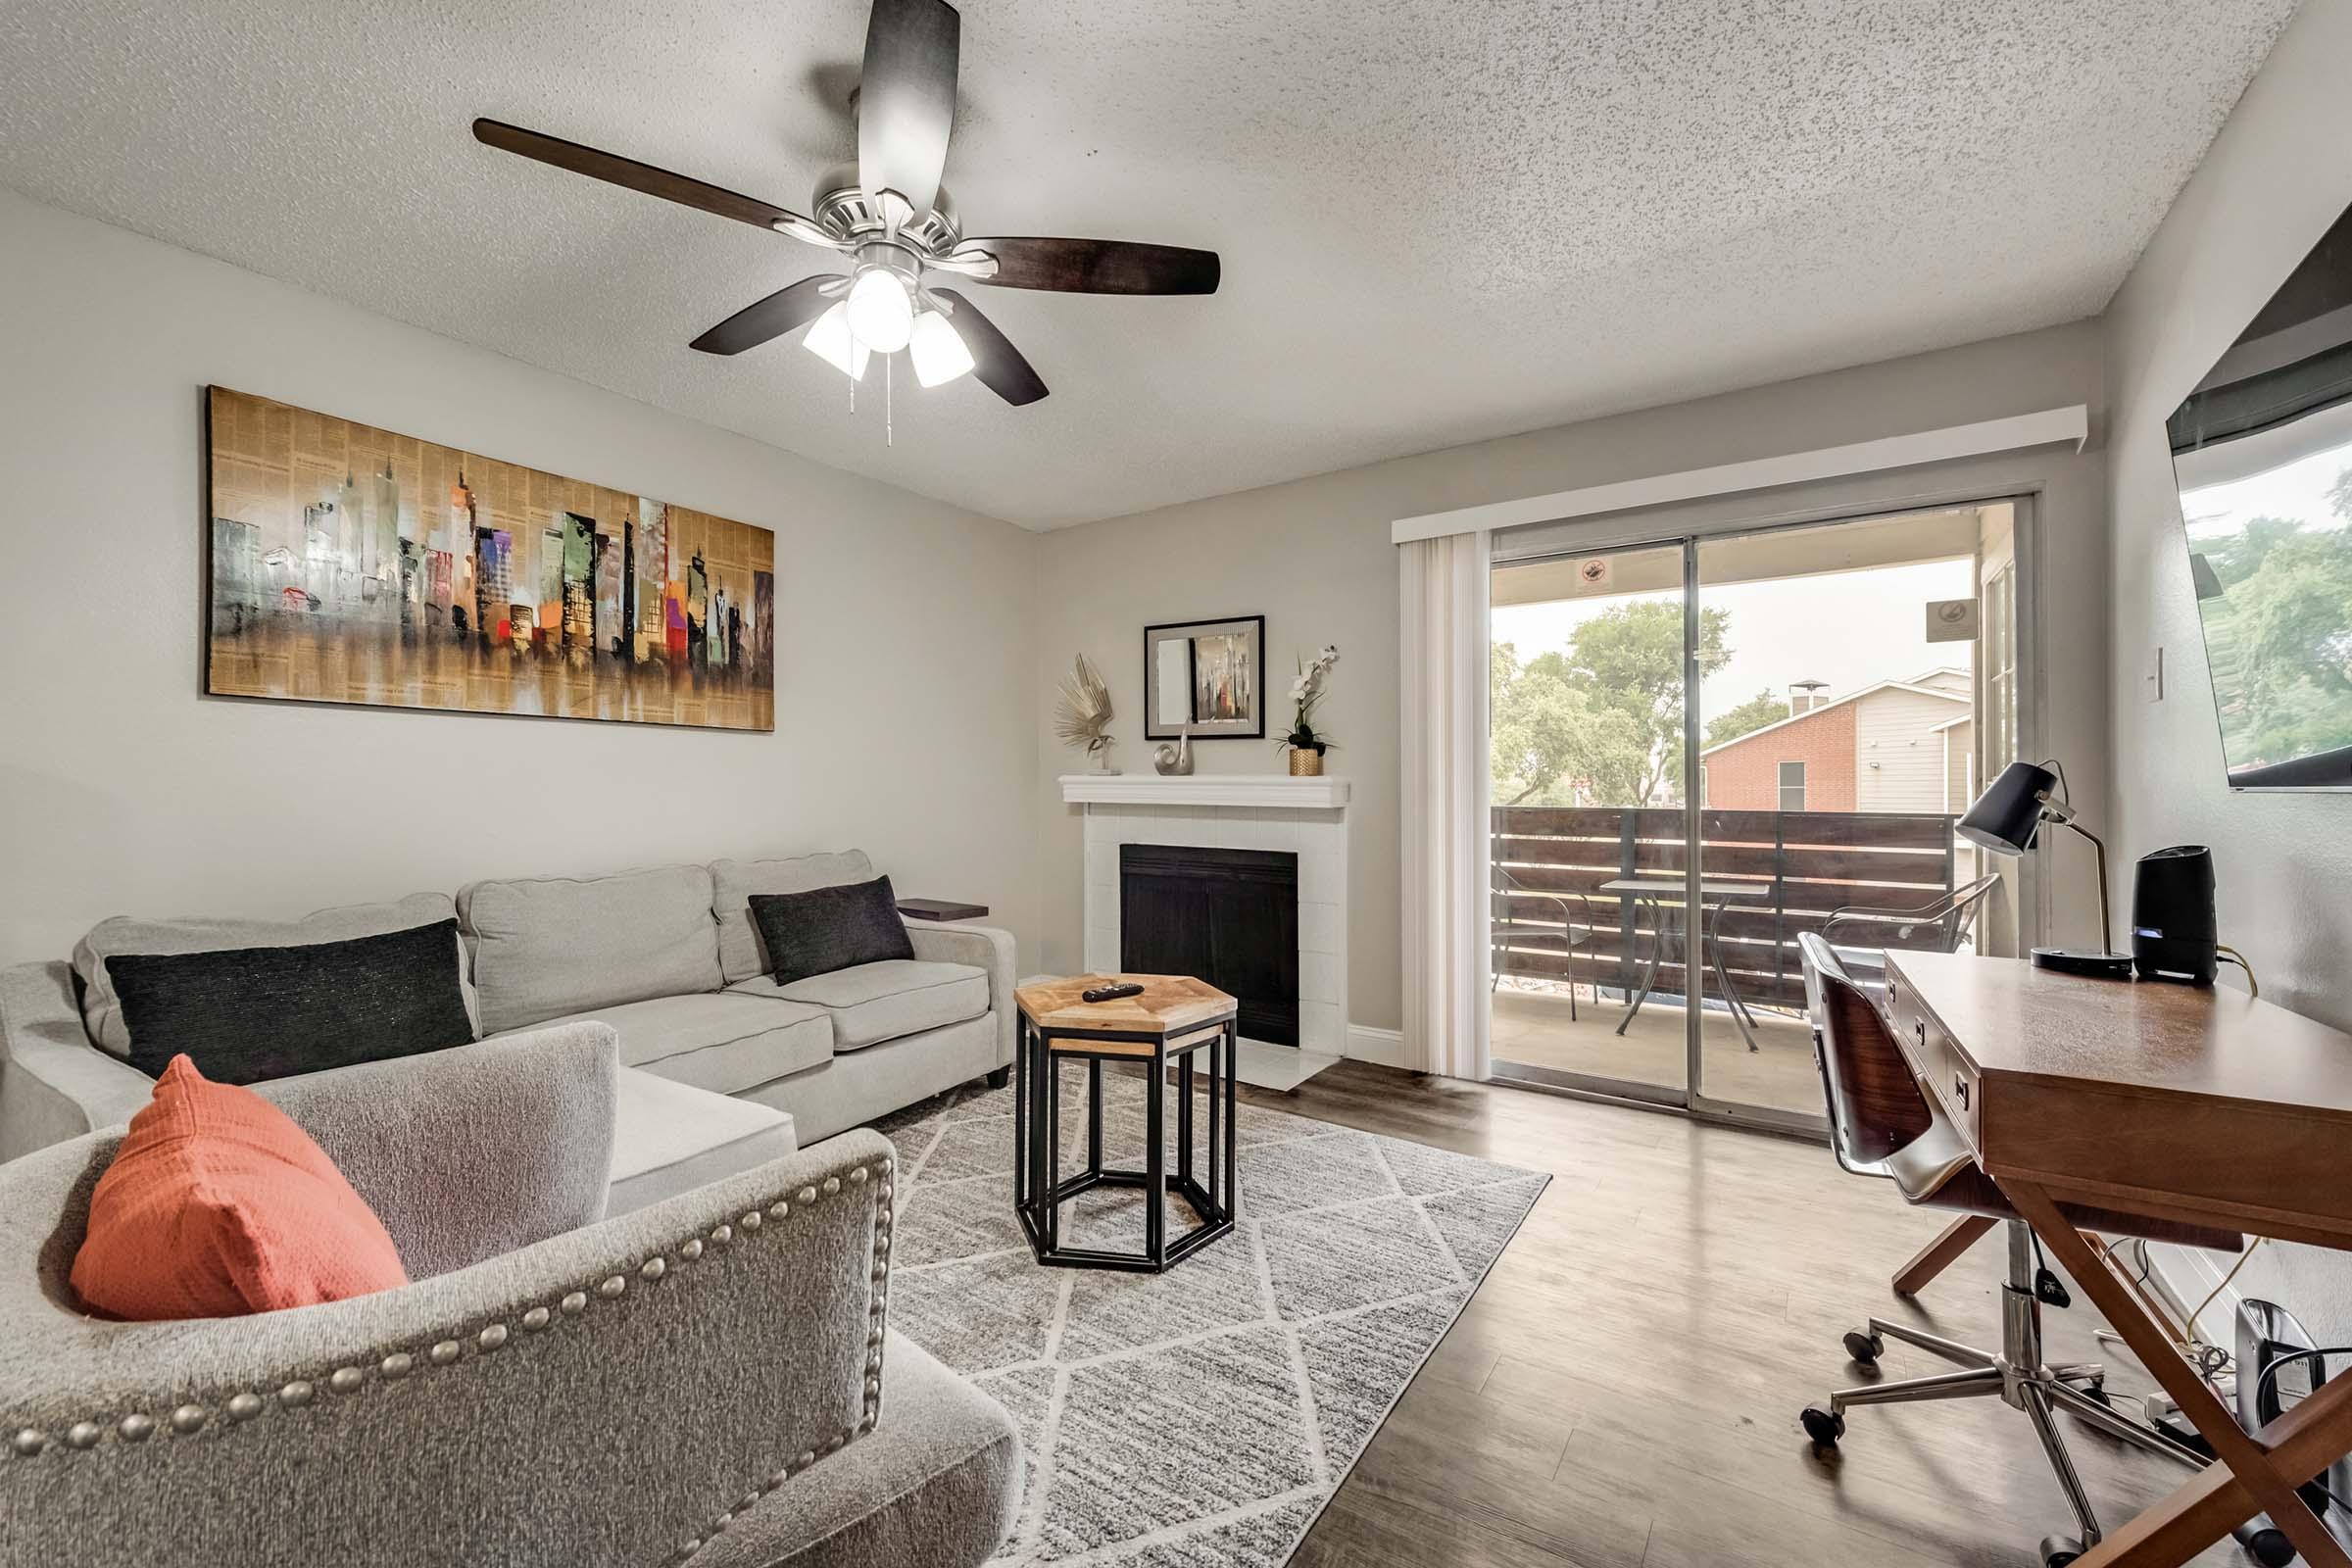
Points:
(1171, 1021)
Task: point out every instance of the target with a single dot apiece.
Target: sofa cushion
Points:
(669, 1136)
(741, 955)
(877, 1002)
(548, 947)
(721, 1041)
(102, 1008)
(246, 1014)
(217, 1204)
(826, 929)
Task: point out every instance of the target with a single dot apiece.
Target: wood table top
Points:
(2149, 1037)
(1168, 1004)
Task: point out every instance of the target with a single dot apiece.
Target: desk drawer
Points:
(1959, 1093)
(1941, 1071)
(1921, 1042)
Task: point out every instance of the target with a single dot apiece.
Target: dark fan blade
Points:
(995, 361)
(906, 99)
(793, 306)
(1097, 266)
(617, 171)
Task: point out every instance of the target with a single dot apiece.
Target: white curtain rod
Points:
(2049, 427)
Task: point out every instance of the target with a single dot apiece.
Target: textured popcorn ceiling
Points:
(1440, 220)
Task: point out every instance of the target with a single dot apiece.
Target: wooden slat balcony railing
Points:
(1807, 862)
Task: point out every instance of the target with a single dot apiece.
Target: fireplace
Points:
(1226, 916)
(1297, 829)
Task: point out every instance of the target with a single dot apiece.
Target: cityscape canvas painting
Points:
(350, 565)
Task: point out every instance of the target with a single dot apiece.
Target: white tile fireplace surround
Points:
(1304, 816)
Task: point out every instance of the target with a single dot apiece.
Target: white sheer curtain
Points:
(1442, 676)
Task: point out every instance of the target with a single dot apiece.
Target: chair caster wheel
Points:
(2059, 1550)
(2270, 1547)
(1865, 1349)
(1823, 1427)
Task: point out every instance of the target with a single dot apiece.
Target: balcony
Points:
(1580, 894)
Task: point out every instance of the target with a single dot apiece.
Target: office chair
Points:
(1882, 1124)
(1866, 969)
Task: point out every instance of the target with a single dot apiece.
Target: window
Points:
(1793, 786)
(1998, 663)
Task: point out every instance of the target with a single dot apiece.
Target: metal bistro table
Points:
(1172, 1021)
(1653, 894)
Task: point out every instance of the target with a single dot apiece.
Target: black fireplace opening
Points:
(1226, 916)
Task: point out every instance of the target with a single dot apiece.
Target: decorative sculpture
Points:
(1083, 714)
(1175, 762)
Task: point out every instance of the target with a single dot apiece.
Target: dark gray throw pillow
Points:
(246, 1014)
(826, 929)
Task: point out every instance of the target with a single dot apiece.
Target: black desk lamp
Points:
(2005, 819)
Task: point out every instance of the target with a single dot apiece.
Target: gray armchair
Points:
(709, 1377)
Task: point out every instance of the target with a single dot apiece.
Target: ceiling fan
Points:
(889, 213)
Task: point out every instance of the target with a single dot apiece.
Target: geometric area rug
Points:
(1200, 1418)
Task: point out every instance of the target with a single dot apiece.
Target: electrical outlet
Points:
(2151, 679)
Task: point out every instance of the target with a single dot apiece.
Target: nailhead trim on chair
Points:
(871, 1410)
(191, 1420)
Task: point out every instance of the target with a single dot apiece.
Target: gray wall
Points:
(905, 705)
(1314, 557)
(2277, 176)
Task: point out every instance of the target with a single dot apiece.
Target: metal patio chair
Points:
(1576, 926)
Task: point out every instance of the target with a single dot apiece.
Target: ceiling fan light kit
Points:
(881, 311)
(893, 219)
(939, 355)
(831, 340)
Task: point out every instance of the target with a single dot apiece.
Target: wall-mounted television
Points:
(2262, 450)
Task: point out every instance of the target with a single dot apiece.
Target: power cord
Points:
(2232, 955)
(2252, 1247)
(2271, 1371)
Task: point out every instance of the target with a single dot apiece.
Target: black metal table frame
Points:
(1710, 945)
(1038, 1195)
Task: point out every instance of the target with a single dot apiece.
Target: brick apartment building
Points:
(1896, 745)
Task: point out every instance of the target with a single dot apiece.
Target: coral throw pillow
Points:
(217, 1204)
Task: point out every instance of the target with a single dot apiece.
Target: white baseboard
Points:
(1382, 1046)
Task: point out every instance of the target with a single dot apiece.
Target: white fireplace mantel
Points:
(1303, 818)
(1259, 790)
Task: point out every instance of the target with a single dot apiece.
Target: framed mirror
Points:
(1205, 676)
(2262, 450)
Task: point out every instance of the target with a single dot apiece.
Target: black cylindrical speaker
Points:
(2173, 932)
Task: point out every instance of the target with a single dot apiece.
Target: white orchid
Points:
(1307, 690)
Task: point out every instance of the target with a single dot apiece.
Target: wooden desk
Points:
(2196, 1105)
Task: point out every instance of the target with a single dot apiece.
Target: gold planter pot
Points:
(1305, 764)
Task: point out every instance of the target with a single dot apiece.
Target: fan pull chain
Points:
(886, 408)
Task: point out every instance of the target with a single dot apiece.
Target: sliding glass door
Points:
(1702, 750)
(1586, 729)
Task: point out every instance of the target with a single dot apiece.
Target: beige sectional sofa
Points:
(721, 1067)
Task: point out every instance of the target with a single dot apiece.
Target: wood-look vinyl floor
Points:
(1624, 1387)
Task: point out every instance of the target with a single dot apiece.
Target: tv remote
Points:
(1111, 993)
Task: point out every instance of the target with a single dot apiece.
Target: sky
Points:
(1851, 629)
(2296, 489)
